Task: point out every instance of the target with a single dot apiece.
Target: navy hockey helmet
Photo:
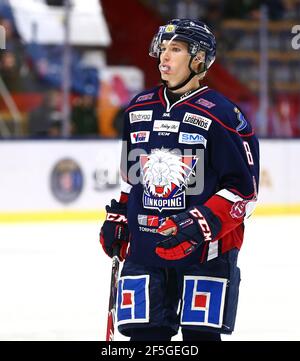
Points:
(195, 33)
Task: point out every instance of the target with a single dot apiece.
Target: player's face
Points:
(174, 62)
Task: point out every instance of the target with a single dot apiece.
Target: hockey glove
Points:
(187, 231)
(114, 234)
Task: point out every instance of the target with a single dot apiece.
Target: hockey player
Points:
(190, 174)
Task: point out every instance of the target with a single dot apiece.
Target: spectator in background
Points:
(214, 16)
(118, 121)
(14, 66)
(9, 66)
(46, 119)
(163, 7)
(9, 71)
(84, 116)
(188, 9)
(10, 33)
(246, 9)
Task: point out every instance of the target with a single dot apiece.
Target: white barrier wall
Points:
(279, 172)
(58, 174)
(76, 175)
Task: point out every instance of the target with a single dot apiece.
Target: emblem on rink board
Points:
(165, 178)
(203, 301)
(66, 180)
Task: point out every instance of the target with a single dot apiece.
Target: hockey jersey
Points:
(200, 150)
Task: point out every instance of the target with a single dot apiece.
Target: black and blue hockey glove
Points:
(114, 234)
(187, 231)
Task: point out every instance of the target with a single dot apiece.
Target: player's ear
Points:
(198, 61)
(200, 57)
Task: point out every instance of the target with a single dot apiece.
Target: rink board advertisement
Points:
(76, 178)
(58, 176)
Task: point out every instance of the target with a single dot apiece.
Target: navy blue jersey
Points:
(200, 150)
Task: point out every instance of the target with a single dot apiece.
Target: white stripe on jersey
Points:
(251, 203)
(125, 187)
(213, 250)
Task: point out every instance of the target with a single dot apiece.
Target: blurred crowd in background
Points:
(31, 78)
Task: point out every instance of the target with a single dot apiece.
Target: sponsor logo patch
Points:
(203, 301)
(146, 221)
(197, 120)
(205, 103)
(133, 299)
(140, 137)
(144, 97)
(163, 134)
(166, 126)
(149, 220)
(192, 138)
(170, 28)
(147, 229)
(140, 116)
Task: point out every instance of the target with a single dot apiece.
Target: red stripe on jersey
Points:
(123, 197)
(142, 104)
(160, 94)
(242, 195)
(234, 239)
(221, 207)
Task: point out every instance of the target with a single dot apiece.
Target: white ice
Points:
(54, 281)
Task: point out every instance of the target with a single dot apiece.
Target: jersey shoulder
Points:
(223, 111)
(144, 97)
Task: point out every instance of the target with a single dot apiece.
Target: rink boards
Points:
(62, 180)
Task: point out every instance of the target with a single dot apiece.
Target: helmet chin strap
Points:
(187, 80)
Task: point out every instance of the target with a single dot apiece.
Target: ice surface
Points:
(54, 281)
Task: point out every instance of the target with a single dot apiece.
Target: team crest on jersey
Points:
(165, 177)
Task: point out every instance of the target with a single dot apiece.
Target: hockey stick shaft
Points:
(110, 329)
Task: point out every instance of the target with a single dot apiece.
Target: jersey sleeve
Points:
(234, 156)
(124, 166)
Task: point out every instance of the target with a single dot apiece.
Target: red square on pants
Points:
(127, 299)
(200, 301)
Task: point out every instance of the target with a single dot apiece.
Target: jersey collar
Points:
(182, 99)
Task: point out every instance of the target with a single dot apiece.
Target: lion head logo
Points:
(164, 171)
